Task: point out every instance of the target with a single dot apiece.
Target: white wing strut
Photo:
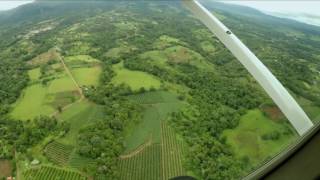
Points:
(258, 70)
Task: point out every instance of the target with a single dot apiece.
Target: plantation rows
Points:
(77, 161)
(58, 153)
(145, 165)
(51, 173)
(154, 97)
(158, 161)
(148, 98)
(172, 151)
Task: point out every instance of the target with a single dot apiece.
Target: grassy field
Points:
(78, 116)
(207, 46)
(165, 41)
(247, 139)
(61, 85)
(34, 74)
(38, 99)
(134, 79)
(156, 56)
(87, 76)
(119, 51)
(31, 103)
(81, 58)
(51, 173)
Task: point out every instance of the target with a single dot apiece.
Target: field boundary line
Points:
(71, 76)
(137, 150)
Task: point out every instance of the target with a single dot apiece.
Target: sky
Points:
(309, 7)
(305, 11)
(6, 5)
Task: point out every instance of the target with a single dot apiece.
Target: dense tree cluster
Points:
(20, 135)
(13, 79)
(103, 140)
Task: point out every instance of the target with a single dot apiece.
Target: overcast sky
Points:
(5, 5)
(307, 7)
(304, 11)
(310, 7)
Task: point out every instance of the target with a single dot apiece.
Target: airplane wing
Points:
(257, 69)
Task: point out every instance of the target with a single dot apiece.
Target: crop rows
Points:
(145, 165)
(148, 98)
(171, 151)
(58, 153)
(51, 173)
(158, 161)
(77, 161)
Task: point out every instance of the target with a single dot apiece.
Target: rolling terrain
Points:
(142, 90)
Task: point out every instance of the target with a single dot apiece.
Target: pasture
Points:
(81, 58)
(165, 41)
(134, 79)
(61, 85)
(156, 56)
(207, 47)
(34, 74)
(38, 99)
(32, 103)
(87, 76)
(258, 137)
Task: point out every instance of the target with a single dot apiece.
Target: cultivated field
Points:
(79, 115)
(172, 151)
(157, 161)
(157, 106)
(51, 173)
(145, 165)
(58, 153)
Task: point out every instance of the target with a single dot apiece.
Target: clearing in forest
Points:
(31, 103)
(50, 88)
(5, 168)
(87, 76)
(44, 58)
(134, 79)
(258, 137)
